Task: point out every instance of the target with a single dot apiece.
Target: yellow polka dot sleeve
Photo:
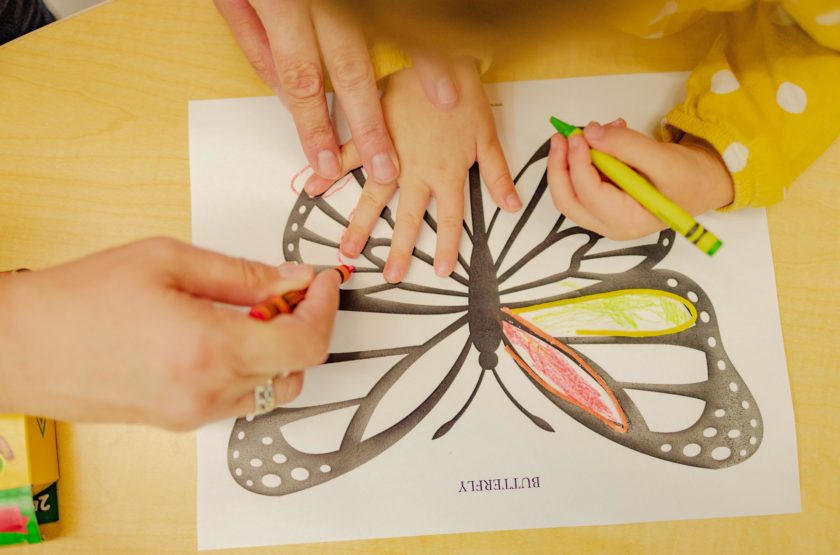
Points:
(767, 95)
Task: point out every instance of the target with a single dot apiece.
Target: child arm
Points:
(765, 96)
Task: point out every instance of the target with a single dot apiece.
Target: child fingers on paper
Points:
(759, 107)
(436, 150)
(137, 334)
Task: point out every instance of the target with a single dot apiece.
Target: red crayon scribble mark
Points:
(12, 520)
(296, 177)
(561, 370)
(334, 188)
(337, 186)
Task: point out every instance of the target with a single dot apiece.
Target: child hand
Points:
(690, 173)
(436, 149)
(132, 334)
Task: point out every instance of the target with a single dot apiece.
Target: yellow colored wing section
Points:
(624, 313)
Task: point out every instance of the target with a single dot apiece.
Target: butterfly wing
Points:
(571, 298)
(369, 394)
(658, 308)
(263, 456)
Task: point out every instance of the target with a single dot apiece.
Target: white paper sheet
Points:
(244, 154)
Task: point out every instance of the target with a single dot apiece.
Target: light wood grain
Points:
(94, 152)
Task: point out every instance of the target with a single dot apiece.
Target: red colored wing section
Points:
(560, 370)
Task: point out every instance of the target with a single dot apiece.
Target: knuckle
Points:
(501, 182)
(371, 198)
(302, 80)
(351, 71)
(407, 219)
(370, 133)
(263, 66)
(251, 273)
(449, 221)
(315, 132)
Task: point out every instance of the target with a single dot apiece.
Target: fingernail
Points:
(350, 247)
(310, 187)
(391, 273)
(513, 202)
(616, 122)
(447, 95)
(593, 131)
(574, 141)
(328, 165)
(443, 269)
(294, 271)
(384, 169)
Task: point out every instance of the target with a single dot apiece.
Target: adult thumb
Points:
(235, 280)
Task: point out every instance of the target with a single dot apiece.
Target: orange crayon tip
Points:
(256, 314)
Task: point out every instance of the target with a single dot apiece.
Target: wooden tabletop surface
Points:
(94, 153)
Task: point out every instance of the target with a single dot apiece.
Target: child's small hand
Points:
(690, 173)
(436, 149)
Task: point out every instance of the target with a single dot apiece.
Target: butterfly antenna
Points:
(533, 417)
(443, 430)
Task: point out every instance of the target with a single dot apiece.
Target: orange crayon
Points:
(286, 303)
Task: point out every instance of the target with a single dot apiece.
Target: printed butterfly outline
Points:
(728, 431)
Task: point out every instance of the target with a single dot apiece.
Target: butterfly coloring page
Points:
(555, 376)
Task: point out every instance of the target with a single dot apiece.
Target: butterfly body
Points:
(484, 303)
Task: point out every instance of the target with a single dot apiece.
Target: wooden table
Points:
(93, 153)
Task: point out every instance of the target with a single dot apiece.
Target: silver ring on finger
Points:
(264, 398)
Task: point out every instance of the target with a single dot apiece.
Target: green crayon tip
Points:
(562, 127)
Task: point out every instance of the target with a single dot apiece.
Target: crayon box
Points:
(28, 472)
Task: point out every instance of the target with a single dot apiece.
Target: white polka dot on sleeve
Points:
(791, 98)
(724, 81)
(829, 18)
(735, 157)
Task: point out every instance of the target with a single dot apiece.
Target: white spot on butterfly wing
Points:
(340, 381)
(421, 297)
(361, 331)
(545, 291)
(321, 433)
(325, 225)
(664, 412)
(649, 364)
(553, 260)
(271, 480)
(416, 383)
(537, 224)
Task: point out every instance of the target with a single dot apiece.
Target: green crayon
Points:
(647, 195)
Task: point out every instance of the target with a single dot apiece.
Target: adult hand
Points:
(284, 41)
(133, 334)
